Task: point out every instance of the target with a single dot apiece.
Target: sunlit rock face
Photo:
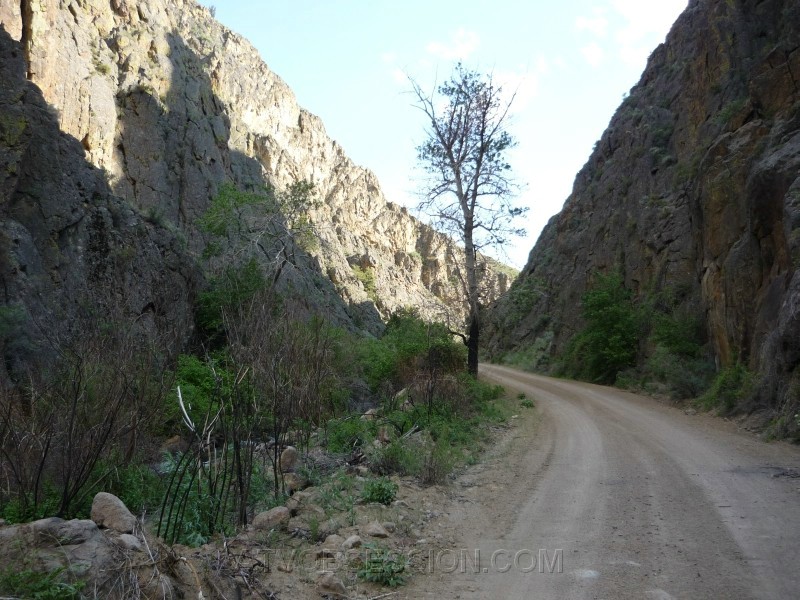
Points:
(161, 104)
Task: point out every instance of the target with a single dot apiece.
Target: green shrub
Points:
(383, 566)
(609, 341)
(228, 291)
(732, 384)
(15, 510)
(346, 434)
(683, 376)
(367, 278)
(409, 345)
(523, 295)
(398, 457)
(534, 358)
(337, 493)
(679, 332)
(35, 585)
(381, 490)
(730, 110)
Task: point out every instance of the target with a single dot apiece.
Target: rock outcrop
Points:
(169, 104)
(693, 187)
(70, 249)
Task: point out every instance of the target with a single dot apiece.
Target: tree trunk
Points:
(472, 345)
(473, 293)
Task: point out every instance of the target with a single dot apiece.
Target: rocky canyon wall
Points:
(693, 187)
(165, 104)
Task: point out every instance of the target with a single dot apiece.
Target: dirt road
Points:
(600, 493)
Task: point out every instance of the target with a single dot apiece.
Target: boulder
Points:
(130, 542)
(272, 519)
(329, 584)
(292, 482)
(289, 458)
(110, 512)
(377, 530)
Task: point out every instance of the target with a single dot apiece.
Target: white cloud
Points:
(461, 45)
(593, 54)
(389, 57)
(400, 76)
(523, 86)
(597, 23)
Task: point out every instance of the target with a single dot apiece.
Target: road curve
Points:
(644, 500)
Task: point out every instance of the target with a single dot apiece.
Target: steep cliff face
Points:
(694, 187)
(71, 252)
(170, 104)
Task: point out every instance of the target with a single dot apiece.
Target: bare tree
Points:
(470, 187)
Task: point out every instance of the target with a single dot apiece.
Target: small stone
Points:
(389, 526)
(131, 542)
(110, 512)
(333, 541)
(273, 518)
(377, 530)
(288, 459)
(400, 504)
(353, 541)
(328, 583)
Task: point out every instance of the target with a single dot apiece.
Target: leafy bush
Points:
(381, 490)
(137, 485)
(683, 376)
(383, 566)
(400, 456)
(337, 493)
(408, 346)
(523, 295)
(343, 435)
(733, 384)
(367, 278)
(35, 585)
(228, 291)
(609, 341)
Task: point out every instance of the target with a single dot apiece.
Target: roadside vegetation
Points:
(654, 344)
(196, 443)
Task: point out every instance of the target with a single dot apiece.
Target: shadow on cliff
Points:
(72, 255)
(176, 151)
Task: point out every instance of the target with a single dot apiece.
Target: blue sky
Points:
(570, 64)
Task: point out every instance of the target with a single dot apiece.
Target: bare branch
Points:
(470, 186)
